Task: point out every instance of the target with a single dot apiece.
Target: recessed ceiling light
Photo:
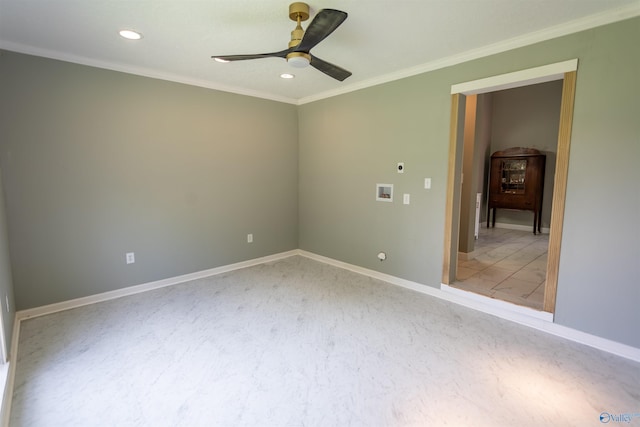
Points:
(223, 61)
(287, 76)
(130, 34)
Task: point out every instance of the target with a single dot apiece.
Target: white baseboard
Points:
(7, 387)
(7, 394)
(503, 309)
(539, 320)
(21, 315)
(525, 316)
(136, 289)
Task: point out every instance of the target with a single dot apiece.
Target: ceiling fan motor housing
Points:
(299, 9)
(298, 12)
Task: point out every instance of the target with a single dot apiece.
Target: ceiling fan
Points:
(298, 54)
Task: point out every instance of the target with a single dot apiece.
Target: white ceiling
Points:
(380, 40)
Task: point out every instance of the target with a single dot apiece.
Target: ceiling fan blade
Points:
(281, 54)
(329, 69)
(324, 23)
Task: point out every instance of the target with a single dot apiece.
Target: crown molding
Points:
(586, 23)
(139, 71)
(571, 27)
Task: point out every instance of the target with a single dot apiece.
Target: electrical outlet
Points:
(130, 257)
(249, 238)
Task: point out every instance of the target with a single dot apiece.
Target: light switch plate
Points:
(406, 198)
(427, 183)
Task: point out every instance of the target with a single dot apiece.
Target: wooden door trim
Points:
(517, 79)
(451, 177)
(559, 190)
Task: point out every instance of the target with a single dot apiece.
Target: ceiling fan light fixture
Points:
(299, 59)
(130, 34)
(302, 41)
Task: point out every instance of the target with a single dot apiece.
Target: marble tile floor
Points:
(296, 342)
(509, 265)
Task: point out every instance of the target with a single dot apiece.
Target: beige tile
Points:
(511, 264)
(478, 250)
(527, 238)
(542, 244)
(464, 273)
(475, 264)
(490, 257)
(538, 293)
(515, 246)
(476, 285)
(533, 275)
(515, 287)
(494, 274)
(525, 302)
(539, 263)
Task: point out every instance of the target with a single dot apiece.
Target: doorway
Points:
(564, 71)
(506, 261)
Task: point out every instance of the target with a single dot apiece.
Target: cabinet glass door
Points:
(512, 174)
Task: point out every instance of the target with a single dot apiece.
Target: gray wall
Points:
(98, 163)
(528, 116)
(6, 280)
(350, 142)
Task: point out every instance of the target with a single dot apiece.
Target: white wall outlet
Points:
(427, 183)
(130, 257)
(249, 238)
(406, 198)
(401, 167)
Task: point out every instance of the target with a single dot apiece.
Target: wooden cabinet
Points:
(517, 182)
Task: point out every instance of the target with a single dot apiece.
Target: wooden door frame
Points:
(565, 71)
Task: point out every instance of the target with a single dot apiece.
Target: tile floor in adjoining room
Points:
(509, 265)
